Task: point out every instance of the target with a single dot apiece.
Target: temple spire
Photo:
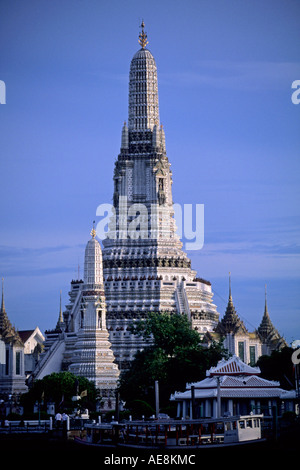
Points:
(268, 332)
(143, 109)
(60, 310)
(230, 297)
(143, 37)
(93, 260)
(60, 321)
(2, 301)
(266, 313)
(231, 322)
(266, 324)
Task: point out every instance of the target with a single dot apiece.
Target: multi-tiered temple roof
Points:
(268, 333)
(231, 322)
(8, 333)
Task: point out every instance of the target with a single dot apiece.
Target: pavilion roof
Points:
(232, 366)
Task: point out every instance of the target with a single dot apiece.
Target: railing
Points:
(28, 426)
(179, 300)
(186, 303)
(182, 301)
(78, 298)
(48, 354)
(176, 433)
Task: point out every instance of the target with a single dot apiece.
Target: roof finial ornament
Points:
(230, 285)
(60, 321)
(265, 292)
(2, 302)
(143, 37)
(93, 232)
(266, 306)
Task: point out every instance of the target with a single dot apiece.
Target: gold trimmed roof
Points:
(8, 333)
(231, 322)
(267, 330)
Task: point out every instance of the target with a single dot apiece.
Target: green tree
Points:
(168, 332)
(279, 366)
(174, 357)
(60, 387)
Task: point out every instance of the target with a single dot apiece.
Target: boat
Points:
(175, 434)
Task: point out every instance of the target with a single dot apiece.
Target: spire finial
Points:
(266, 292)
(60, 321)
(60, 310)
(93, 232)
(143, 37)
(266, 306)
(2, 302)
(230, 285)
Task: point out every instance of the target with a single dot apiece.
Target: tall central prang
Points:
(145, 268)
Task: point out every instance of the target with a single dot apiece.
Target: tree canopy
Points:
(168, 332)
(174, 357)
(279, 366)
(60, 387)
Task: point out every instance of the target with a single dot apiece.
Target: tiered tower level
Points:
(145, 268)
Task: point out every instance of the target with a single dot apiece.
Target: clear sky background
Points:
(225, 70)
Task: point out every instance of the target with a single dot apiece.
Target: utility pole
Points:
(117, 406)
(218, 398)
(156, 399)
(193, 402)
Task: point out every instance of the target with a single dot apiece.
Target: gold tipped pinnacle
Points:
(143, 37)
(93, 232)
(229, 284)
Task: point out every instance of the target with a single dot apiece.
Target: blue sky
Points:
(225, 70)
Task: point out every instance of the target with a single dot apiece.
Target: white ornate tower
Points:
(93, 274)
(92, 355)
(145, 268)
(80, 342)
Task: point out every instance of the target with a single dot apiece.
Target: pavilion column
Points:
(258, 410)
(178, 409)
(184, 409)
(215, 409)
(270, 407)
(206, 408)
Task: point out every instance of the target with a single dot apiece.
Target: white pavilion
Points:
(231, 388)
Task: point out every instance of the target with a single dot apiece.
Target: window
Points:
(241, 349)
(7, 362)
(18, 363)
(252, 355)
